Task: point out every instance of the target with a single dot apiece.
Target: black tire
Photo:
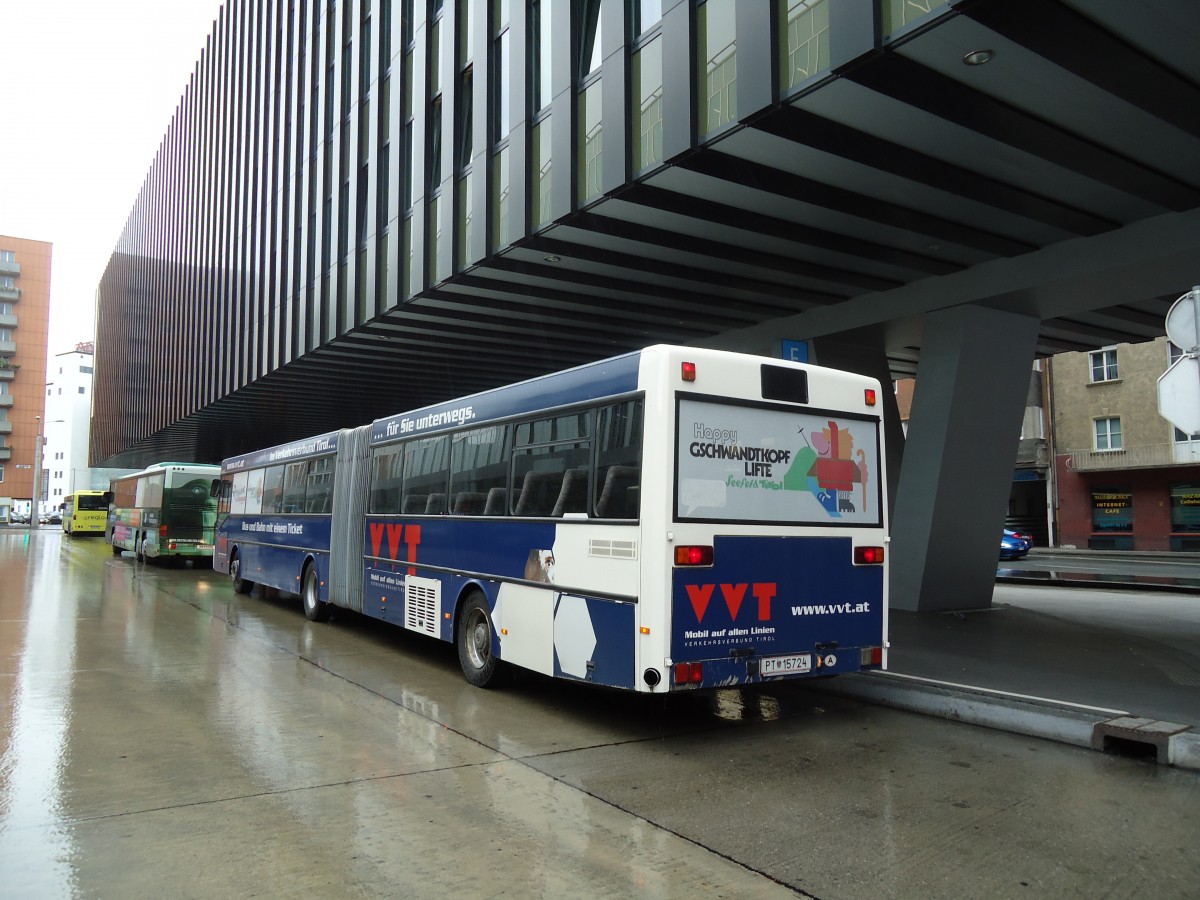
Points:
(138, 540)
(240, 584)
(117, 551)
(314, 609)
(474, 638)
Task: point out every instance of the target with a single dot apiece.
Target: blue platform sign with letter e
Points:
(794, 351)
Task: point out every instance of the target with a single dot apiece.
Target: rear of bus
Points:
(189, 512)
(775, 519)
(85, 512)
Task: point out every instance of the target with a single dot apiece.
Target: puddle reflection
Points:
(36, 846)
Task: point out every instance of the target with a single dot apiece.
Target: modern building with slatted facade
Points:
(364, 206)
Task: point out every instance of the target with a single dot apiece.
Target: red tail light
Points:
(693, 556)
(869, 396)
(688, 371)
(872, 656)
(868, 556)
(689, 673)
(162, 531)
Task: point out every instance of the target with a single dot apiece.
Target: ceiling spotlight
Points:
(977, 57)
(553, 259)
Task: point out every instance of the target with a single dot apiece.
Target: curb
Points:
(1040, 717)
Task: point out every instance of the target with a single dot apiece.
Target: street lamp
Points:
(35, 503)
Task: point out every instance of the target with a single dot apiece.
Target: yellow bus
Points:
(85, 512)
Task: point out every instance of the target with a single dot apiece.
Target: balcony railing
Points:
(5, 426)
(6, 399)
(8, 373)
(5, 454)
(7, 320)
(8, 348)
(1145, 456)
(10, 268)
(10, 293)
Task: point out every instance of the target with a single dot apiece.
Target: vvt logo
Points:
(734, 595)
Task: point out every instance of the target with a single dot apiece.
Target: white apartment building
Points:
(67, 425)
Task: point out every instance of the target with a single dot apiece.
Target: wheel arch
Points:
(469, 588)
(310, 559)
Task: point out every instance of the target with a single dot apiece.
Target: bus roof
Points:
(320, 445)
(164, 466)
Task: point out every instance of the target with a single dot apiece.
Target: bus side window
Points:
(550, 468)
(318, 492)
(387, 473)
(293, 487)
(237, 504)
(478, 467)
(272, 498)
(426, 470)
(618, 460)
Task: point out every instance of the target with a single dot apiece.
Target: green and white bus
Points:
(165, 512)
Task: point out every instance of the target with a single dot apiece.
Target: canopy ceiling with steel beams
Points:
(1060, 179)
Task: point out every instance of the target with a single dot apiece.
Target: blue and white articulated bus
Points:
(669, 519)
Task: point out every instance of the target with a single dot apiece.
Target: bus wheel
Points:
(240, 584)
(314, 609)
(117, 551)
(475, 643)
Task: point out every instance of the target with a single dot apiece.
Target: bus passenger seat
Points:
(619, 481)
(572, 498)
(468, 503)
(537, 493)
(414, 503)
(436, 505)
(497, 502)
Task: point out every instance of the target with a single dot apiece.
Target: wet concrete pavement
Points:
(163, 736)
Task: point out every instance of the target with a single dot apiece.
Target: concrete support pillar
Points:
(958, 460)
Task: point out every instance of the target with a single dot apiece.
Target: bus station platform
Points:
(1101, 652)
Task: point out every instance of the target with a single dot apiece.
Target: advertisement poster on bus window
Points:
(753, 464)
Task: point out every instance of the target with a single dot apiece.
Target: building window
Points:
(717, 65)
(81, 390)
(500, 189)
(540, 161)
(646, 14)
(805, 45)
(1104, 365)
(1108, 433)
(591, 141)
(500, 68)
(647, 94)
(1, 474)
(8, 256)
(1185, 448)
(899, 13)
(501, 121)
(7, 282)
(540, 30)
(1185, 508)
(1112, 509)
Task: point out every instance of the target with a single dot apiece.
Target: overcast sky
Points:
(89, 88)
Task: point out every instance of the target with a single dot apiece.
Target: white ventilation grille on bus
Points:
(422, 604)
(613, 549)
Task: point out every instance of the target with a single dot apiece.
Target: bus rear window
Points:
(742, 463)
